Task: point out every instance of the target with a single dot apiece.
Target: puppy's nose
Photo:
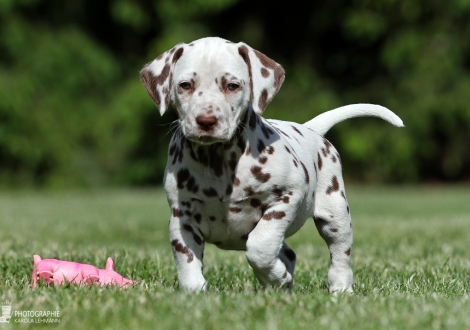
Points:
(206, 122)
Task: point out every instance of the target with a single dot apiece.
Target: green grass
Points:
(411, 261)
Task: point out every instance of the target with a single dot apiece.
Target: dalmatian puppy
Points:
(239, 181)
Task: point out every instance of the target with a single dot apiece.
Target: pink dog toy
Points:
(54, 271)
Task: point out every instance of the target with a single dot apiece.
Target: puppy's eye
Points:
(185, 85)
(232, 87)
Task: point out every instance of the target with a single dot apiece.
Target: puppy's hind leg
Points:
(333, 220)
(288, 257)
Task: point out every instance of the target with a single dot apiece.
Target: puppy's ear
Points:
(157, 76)
(266, 76)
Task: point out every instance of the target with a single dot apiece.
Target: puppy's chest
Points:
(223, 199)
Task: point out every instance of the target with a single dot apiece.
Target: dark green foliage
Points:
(73, 111)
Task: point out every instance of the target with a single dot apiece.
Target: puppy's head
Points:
(211, 82)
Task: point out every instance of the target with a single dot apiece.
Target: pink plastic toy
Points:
(54, 271)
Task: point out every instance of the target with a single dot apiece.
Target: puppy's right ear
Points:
(157, 76)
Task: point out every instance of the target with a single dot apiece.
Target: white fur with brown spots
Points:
(239, 181)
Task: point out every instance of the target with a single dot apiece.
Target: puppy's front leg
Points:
(263, 249)
(188, 250)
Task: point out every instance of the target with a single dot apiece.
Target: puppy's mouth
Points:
(206, 139)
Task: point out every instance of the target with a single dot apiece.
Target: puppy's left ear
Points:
(157, 76)
(266, 76)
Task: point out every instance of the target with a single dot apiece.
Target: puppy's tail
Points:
(323, 122)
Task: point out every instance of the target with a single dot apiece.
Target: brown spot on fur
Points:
(278, 191)
(320, 162)
(150, 82)
(232, 163)
(297, 130)
(282, 132)
(328, 145)
(307, 177)
(177, 55)
(177, 212)
(250, 192)
(253, 120)
(261, 146)
(334, 230)
(210, 192)
(166, 91)
(243, 51)
(267, 131)
(198, 217)
(216, 165)
(196, 238)
(191, 185)
(259, 175)
(229, 189)
(263, 159)
(265, 73)
(254, 202)
(263, 100)
(181, 177)
(234, 209)
(160, 79)
(274, 215)
(236, 182)
(269, 63)
(182, 249)
(241, 142)
(348, 252)
(334, 185)
(223, 82)
(172, 149)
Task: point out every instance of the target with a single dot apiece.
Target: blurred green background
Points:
(73, 111)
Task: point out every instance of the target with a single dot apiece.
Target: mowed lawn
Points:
(411, 260)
